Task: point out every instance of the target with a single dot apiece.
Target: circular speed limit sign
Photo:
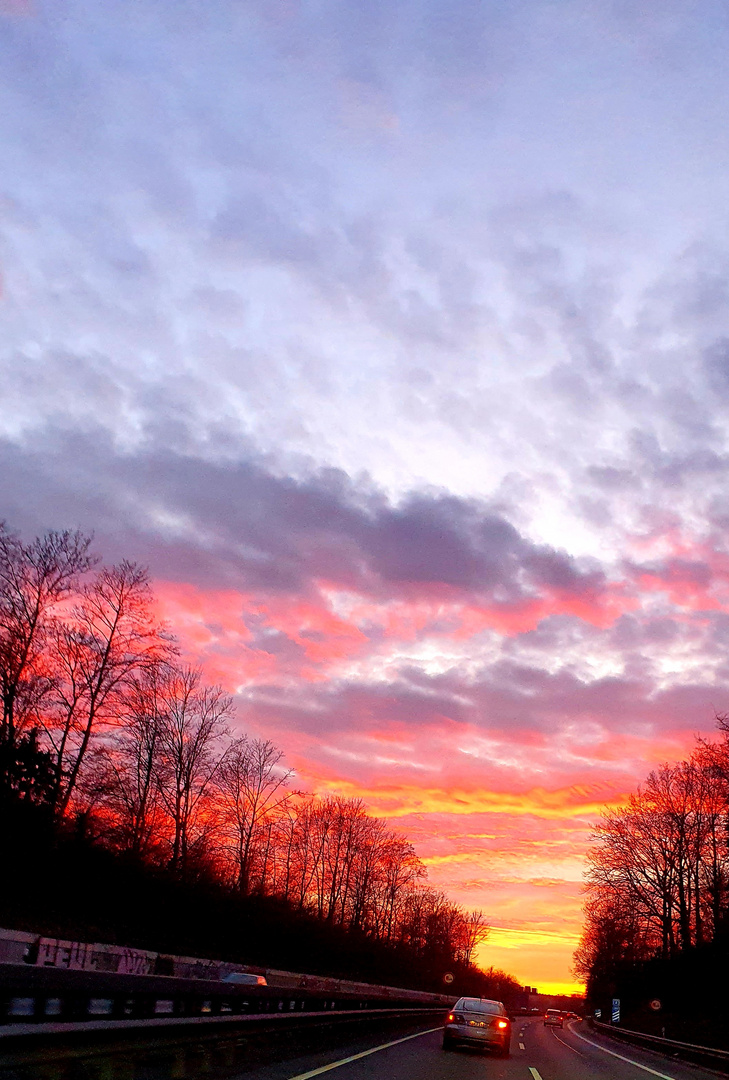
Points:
(655, 1004)
(448, 978)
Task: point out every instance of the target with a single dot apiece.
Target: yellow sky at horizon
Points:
(533, 957)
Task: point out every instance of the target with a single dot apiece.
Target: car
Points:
(553, 1018)
(245, 978)
(478, 1022)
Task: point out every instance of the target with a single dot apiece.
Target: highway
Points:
(405, 1051)
(537, 1053)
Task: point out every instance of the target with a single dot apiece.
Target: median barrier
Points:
(49, 1001)
(185, 1048)
(38, 952)
(689, 1051)
(67, 995)
(14, 1037)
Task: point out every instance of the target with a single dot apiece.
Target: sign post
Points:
(616, 1011)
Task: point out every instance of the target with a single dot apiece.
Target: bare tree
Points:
(302, 843)
(614, 934)
(402, 872)
(475, 931)
(125, 780)
(194, 722)
(34, 579)
(658, 873)
(253, 791)
(362, 895)
(108, 638)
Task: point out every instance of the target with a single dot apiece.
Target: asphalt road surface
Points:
(537, 1053)
(411, 1052)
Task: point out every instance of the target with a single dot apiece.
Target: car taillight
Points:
(502, 1024)
(451, 1018)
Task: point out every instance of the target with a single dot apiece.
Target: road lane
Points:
(538, 1053)
(362, 1054)
(609, 1059)
(410, 1052)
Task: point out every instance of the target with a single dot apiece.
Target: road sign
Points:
(616, 1011)
(448, 978)
(655, 1004)
(598, 1013)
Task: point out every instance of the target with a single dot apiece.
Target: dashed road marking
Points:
(534, 1073)
(522, 1046)
(637, 1064)
(363, 1054)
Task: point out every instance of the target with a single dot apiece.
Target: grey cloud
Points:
(252, 222)
(241, 523)
(716, 364)
(216, 120)
(612, 478)
(508, 700)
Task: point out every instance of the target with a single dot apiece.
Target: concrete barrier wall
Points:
(14, 946)
(18, 947)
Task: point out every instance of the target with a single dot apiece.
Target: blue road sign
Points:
(616, 1010)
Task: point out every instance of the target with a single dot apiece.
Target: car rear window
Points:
(553, 1012)
(476, 1005)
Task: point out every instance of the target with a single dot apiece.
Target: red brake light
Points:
(502, 1024)
(451, 1016)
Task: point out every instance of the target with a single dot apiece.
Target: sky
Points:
(394, 339)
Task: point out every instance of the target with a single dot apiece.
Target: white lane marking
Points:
(522, 1046)
(534, 1073)
(365, 1053)
(572, 1048)
(663, 1076)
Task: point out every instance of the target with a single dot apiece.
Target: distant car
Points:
(478, 1022)
(553, 1018)
(245, 978)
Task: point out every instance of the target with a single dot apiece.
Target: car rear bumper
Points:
(476, 1036)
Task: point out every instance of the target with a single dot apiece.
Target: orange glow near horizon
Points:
(498, 809)
(407, 799)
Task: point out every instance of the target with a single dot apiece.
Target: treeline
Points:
(657, 908)
(106, 732)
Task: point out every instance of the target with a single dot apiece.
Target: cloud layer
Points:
(394, 340)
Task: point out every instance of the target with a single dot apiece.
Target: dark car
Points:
(553, 1018)
(478, 1022)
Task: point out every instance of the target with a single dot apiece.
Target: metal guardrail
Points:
(49, 999)
(11, 1035)
(659, 1042)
